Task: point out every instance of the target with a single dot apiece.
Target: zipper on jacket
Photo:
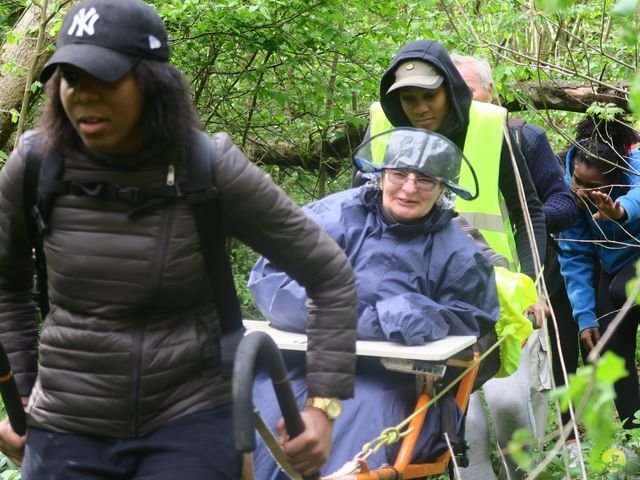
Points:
(171, 176)
(156, 275)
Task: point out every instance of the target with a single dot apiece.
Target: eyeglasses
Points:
(400, 177)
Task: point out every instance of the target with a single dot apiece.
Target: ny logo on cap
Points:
(83, 22)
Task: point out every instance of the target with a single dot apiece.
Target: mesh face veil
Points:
(417, 150)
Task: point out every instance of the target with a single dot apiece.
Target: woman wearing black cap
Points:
(126, 379)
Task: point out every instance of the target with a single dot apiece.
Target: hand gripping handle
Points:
(254, 346)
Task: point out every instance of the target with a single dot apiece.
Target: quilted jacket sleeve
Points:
(261, 215)
(18, 320)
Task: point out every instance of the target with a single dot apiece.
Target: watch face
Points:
(330, 406)
(334, 408)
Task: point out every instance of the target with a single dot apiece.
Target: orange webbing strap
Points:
(466, 385)
(404, 470)
(383, 473)
(409, 442)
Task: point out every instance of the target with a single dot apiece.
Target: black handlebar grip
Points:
(11, 396)
(254, 346)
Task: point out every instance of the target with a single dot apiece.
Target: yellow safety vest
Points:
(483, 143)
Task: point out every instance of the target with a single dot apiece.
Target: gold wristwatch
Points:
(330, 406)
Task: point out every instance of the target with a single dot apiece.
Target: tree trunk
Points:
(23, 55)
(569, 96)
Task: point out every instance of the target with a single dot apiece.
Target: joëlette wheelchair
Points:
(434, 364)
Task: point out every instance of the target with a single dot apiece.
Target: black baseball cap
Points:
(107, 38)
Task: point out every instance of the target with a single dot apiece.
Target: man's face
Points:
(425, 107)
(473, 81)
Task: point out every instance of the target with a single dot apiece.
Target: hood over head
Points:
(458, 94)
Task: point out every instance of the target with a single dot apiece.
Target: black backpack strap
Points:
(50, 173)
(36, 226)
(33, 162)
(205, 203)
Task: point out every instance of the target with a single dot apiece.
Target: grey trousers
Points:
(514, 402)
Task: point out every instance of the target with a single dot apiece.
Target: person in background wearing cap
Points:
(422, 88)
(127, 381)
(507, 397)
(419, 278)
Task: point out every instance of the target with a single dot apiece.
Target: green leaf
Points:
(605, 111)
(610, 368)
(12, 38)
(35, 86)
(521, 438)
(554, 6)
(634, 95)
(55, 27)
(625, 7)
(280, 97)
(15, 115)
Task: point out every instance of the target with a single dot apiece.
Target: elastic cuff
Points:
(591, 323)
(623, 218)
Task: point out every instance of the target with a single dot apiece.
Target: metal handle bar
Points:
(253, 347)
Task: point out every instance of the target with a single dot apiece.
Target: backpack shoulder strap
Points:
(31, 199)
(205, 203)
(33, 163)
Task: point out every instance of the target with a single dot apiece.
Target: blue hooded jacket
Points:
(578, 252)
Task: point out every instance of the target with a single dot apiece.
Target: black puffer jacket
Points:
(132, 339)
(455, 128)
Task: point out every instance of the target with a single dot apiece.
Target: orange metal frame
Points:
(403, 469)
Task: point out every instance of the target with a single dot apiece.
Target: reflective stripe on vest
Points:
(482, 147)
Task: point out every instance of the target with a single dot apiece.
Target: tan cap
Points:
(416, 73)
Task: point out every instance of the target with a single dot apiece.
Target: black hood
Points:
(459, 95)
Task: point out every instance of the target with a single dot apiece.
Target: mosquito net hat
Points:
(421, 151)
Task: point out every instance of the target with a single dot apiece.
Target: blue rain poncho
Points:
(416, 283)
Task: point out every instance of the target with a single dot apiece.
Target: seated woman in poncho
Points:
(419, 278)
